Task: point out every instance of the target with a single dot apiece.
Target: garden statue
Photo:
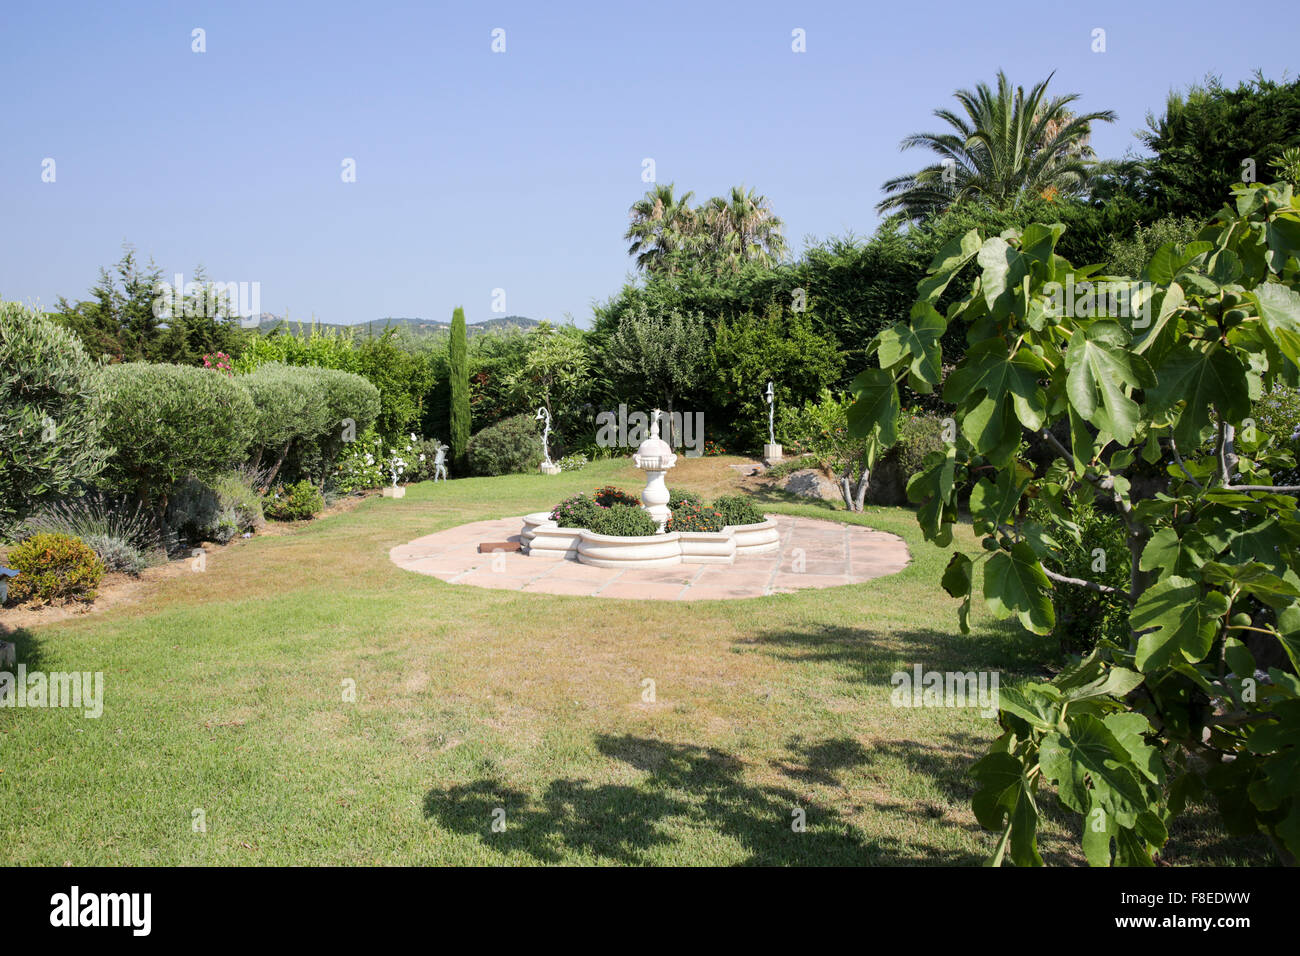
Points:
(440, 463)
(548, 467)
(771, 451)
(654, 457)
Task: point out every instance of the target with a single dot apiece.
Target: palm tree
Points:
(740, 228)
(662, 224)
(1009, 144)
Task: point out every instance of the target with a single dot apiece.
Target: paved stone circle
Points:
(830, 553)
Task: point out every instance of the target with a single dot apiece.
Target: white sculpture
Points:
(654, 457)
(548, 467)
(440, 463)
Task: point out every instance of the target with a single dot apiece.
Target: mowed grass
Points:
(225, 698)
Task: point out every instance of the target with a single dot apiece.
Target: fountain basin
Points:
(551, 541)
(757, 538)
(627, 551)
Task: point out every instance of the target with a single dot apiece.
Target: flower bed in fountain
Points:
(578, 530)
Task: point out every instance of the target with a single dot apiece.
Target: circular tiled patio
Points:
(813, 554)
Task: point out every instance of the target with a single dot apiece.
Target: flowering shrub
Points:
(692, 516)
(358, 467)
(572, 462)
(678, 498)
(54, 566)
(609, 495)
(712, 449)
(220, 362)
(577, 511)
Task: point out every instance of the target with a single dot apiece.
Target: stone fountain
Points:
(655, 458)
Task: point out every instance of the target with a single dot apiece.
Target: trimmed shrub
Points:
(49, 414)
(54, 567)
(693, 516)
(121, 534)
(170, 421)
(579, 511)
(737, 509)
(288, 409)
(609, 495)
(623, 520)
(575, 462)
(458, 375)
(351, 405)
(512, 446)
(296, 502)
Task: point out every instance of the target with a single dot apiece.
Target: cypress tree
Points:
(458, 365)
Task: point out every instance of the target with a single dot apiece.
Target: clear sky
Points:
(477, 170)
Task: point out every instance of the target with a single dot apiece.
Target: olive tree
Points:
(349, 404)
(1131, 733)
(170, 421)
(49, 418)
(289, 408)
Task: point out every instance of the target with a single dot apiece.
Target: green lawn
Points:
(224, 693)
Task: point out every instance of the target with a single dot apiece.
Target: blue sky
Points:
(478, 171)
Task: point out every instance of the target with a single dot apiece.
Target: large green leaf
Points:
(1182, 622)
(1279, 308)
(947, 263)
(874, 412)
(1014, 583)
(917, 344)
(1204, 376)
(1091, 768)
(1102, 369)
(997, 394)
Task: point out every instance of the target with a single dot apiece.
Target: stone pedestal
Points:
(394, 491)
(772, 454)
(549, 468)
(654, 499)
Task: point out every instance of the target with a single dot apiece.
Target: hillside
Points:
(415, 326)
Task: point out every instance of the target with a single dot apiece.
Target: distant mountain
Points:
(416, 326)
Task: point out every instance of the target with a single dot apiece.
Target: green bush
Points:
(693, 516)
(578, 511)
(54, 567)
(1084, 616)
(49, 414)
(296, 502)
(118, 554)
(623, 520)
(170, 421)
(736, 510)
(512, 446)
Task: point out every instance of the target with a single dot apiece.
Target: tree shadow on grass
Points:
(688, 794)
(874, 655)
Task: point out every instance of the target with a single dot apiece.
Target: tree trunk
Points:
(275, 470)
(861, 497)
